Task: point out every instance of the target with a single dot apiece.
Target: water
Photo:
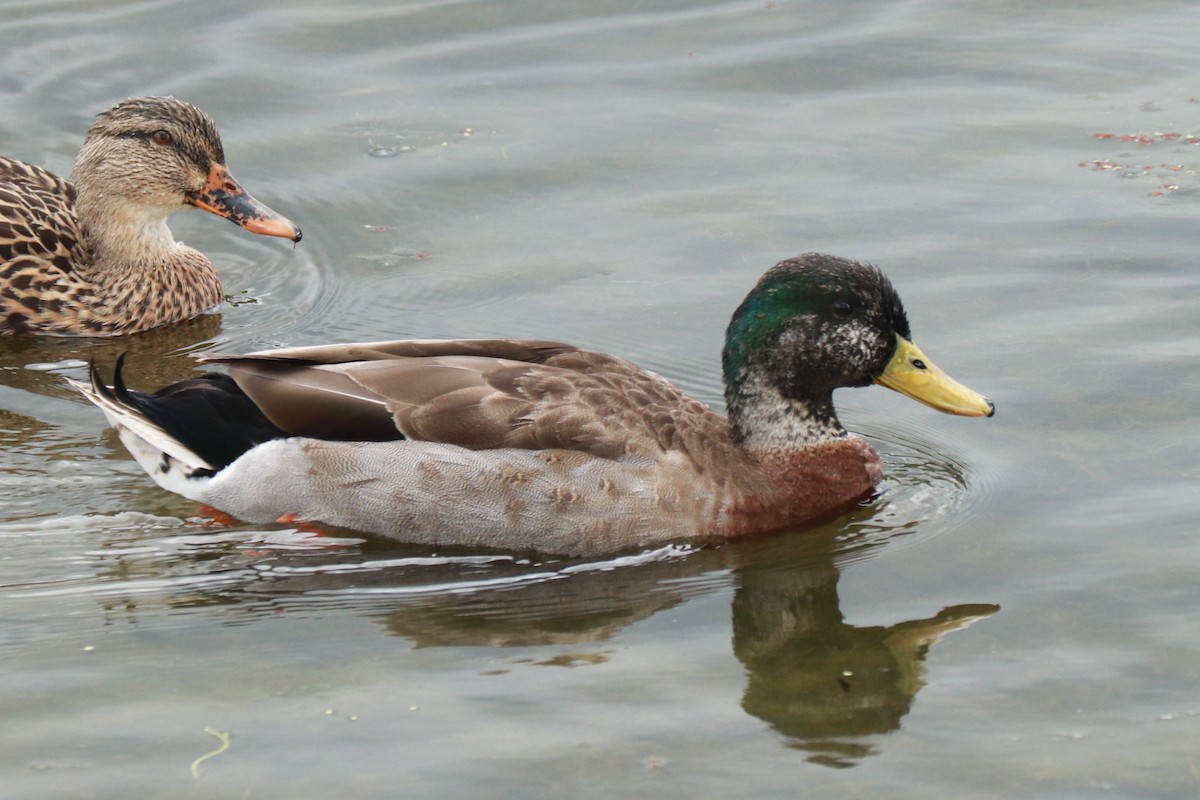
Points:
(1013, 618)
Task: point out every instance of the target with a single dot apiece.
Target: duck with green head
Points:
(537, 445)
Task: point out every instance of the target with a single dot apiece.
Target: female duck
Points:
(96, 257)
(537, 445)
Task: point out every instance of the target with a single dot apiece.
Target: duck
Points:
(93, 256)
(531, 445)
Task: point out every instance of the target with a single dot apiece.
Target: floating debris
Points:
(224, 737)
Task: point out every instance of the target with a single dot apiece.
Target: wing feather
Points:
(477, 394)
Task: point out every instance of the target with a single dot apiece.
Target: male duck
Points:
(96, 257)
(537, 445)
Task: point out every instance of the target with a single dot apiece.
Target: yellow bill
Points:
(911, 373)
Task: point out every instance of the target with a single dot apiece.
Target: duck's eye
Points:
(842, 309)
(162, 137)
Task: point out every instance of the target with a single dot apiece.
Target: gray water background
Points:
(618, 174)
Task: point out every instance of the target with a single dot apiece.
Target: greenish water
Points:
(1014, 617)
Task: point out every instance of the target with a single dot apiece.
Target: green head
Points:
(815, 323)
(819, 322)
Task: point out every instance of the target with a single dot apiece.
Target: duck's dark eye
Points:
(842, 309)
(162, 137)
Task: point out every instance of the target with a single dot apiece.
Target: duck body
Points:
(95, 256)
(537, 445)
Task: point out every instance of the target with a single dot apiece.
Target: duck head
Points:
(148, 157)
(813, 324)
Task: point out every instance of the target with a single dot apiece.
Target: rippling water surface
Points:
(1013, 616)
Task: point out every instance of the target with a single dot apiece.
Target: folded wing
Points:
(477, 394)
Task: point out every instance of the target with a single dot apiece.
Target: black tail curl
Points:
(207, 414)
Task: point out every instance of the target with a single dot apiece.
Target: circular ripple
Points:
(928, 490)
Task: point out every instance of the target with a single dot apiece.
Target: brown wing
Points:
(531, 350)
(309, 391)
(478, 394)
(38, 225)
(40, 239)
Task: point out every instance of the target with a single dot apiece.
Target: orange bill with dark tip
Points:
(225, 197)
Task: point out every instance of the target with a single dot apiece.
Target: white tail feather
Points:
(124, 418)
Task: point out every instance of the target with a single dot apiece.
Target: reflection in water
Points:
(823, 684)
(571, 604)
(820, 682)
(30, 362)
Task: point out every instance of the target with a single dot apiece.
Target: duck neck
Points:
(138, 276)
(133, 259)
(124, 237)
(761, 418)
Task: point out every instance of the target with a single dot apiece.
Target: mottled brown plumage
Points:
(95, 257)
(543, 446)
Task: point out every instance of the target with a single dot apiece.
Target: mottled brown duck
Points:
(537, 445)
(95, 256)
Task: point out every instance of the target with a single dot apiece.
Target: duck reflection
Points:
(822, 683)
(825, 685)
(149, 354)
